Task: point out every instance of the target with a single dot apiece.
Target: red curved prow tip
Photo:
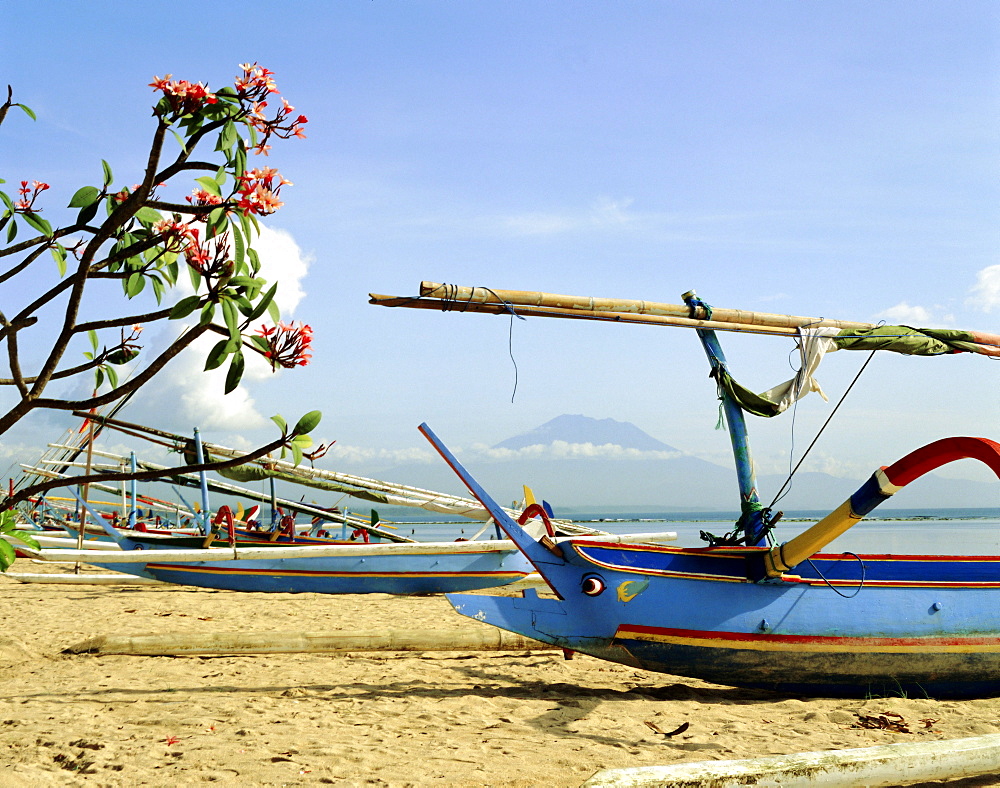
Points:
(941, 452)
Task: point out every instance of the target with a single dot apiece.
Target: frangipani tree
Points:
(149, 241)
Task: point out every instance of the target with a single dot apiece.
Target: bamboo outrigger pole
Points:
(445, 297)
(483, 295)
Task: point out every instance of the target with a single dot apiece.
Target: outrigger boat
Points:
(744, 610)
(226, 556)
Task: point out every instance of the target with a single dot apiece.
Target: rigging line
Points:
(799, 372)
(826, 423)
(832, 586)
(510, 335)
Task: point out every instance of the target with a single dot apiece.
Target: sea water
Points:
(898, 531)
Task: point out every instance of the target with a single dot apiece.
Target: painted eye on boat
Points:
(592, 585)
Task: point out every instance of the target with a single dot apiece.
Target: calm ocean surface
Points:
(914, 532)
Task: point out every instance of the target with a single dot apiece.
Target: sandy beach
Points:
(373, 719)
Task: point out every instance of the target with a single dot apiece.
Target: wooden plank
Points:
(314, 551)
(889, 764)
(234, 643)
(83, 579)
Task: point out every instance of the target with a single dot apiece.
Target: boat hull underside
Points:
(830, 673)
(394, 574)
(892, 637)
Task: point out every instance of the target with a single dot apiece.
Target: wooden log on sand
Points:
(84, 579)
(240, 643)
(887, 764)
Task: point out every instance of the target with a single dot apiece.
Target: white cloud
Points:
(906, 314)
(356, 455)
(185, 390)
(605, 213)
(561, 450)
(986, 291)
(282, 260)
(557, 450)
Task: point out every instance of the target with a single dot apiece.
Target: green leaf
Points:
(265, 303)
(273, 311)
(302, 441)
(148, 215)
(88, 213)
(180, 140)
(195, 277)
(112, 377)
(7, 201)
(227, 137)
(38, 223)
(122, 356)
(308, 422)
(184, 307)
(59, 255)
(282, 424)
(92, 335)
(85, 196)
(207, 313)
(7, 556)
(296, 454)
(108, 177)
(98, 377)
(232, 318)
(134, 284)
(239, 257)
(217, 221)
(247, 229)
(11, 230)
(170, 269)
(210, 185)
(157, 288)
(260, 342)
(240, 160)
(236, 367)
(217, 355)
(26, 537)
(27, 111)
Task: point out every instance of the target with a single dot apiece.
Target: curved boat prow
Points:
(544, 554)
(882, 485)
(545, 619)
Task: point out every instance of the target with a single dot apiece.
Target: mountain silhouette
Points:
(583, 429)
(652, 482)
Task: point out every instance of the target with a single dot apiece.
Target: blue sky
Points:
(827, 159)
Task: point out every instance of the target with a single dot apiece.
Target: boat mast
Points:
(752, 515)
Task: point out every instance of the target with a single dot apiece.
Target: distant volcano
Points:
(583, 429)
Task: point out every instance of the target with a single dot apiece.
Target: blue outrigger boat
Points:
(743, 610)
(356, 558)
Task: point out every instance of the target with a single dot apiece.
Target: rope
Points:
(510, 334)
(448, 295)
(833, 587)
(785, 487)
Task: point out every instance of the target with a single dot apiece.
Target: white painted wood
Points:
(888, 764)
(83, 579)
(308, 551)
